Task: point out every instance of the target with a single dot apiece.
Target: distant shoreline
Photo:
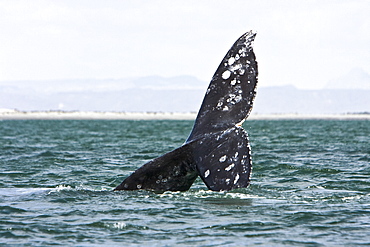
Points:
(6, 114)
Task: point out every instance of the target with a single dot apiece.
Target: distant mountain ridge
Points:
(355, 78)
(287, 99)
(175, 94)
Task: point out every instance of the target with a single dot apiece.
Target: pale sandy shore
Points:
(6, 114)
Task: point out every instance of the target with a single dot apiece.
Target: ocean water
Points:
(310, 186)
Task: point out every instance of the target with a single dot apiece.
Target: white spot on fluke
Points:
(231, 60)
(223, 158)
(226, 75)
(229, 167)
(206, 174)
(233, 99)
(238, 98)
(236, 178)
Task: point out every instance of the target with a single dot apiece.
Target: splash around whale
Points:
(217, 148)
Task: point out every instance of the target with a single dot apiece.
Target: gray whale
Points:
(217, 148)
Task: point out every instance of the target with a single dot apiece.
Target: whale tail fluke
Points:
(222, 160)
(217, 149)
(173, 171)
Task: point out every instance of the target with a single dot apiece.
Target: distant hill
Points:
(356, 78)
(176, 94)
(291, 100)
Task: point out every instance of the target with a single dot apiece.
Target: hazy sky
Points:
(304, 43)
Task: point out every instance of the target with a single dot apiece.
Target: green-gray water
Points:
(310, 186)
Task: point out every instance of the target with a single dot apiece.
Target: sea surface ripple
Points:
(310, 186)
